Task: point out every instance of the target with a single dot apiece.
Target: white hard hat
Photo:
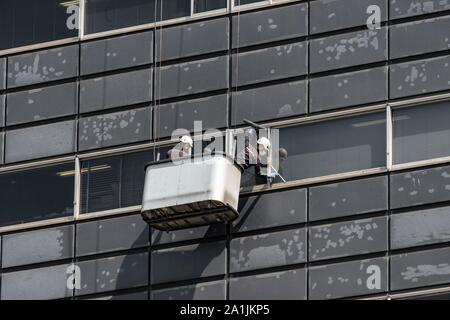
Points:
(265, 143)
(187, 140)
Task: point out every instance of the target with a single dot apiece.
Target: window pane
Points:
(114, 182)
(192, 39)
(200, 291)
(328, 15)
(270, 25)
(336, 146)
(172, 9)
(104, 15)
(355, 275)
(26, 22)
(420, 269)
(115, 129)
(40, 104)
(42, 141)
(36, 194)
(422, 132)
(208, 5)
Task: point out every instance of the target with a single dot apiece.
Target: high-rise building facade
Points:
(92, 90)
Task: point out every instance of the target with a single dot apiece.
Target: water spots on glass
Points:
(348, 238)
(42, 66)
(408, 8)
(268, 250)
(418, 77)
(405, 191)
(348, 49)
(115, 128)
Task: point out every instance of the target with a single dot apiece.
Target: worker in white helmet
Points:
(182, 150)
(264, 146)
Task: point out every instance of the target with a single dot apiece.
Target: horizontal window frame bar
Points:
(313, 181)
(419, 293)
(36, 224)
(108, 213)
(38, 46)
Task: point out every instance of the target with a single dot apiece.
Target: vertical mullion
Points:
(389, 137)
(81, 19)
(77, 191)
(192, 8)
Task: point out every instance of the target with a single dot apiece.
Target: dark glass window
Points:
(208, 5)
(26, 22)
(421, 133)
(104, 15)
(113, 182)
(335, 146)
(36, 194)
(172, 9)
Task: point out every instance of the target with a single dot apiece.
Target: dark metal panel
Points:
(43, 66)
(192, 39)
(349, 49)
(333, 15)
(279, 62)
(348, 279)
(111, 235)
(420, 228)
(116, 90)
(418, 37)
(348, 198)
(211, 111)
(37, 246)
(115, 129)
(271, 210)
(41, 104)
(109, 274)
(40, 141)
(348, 238)
(421, 132)
(160, 237)
(36, 284)
(270, 25)
(420, 187)
(349, 89)
(332, 147)
(285, 285)
(271, 102)
(202, 291)
(191, 77)
(419, 77)
(116, 53)
(420, 269)
(268, 250)
(188, 262)
(409, 8)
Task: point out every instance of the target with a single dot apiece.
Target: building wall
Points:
(348, 224)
